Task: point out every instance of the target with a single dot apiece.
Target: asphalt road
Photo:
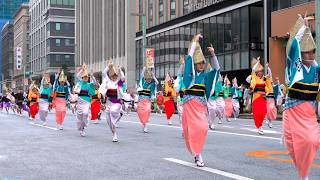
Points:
(233, 151)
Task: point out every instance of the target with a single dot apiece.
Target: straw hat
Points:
(234, 80)
(198, 56)
(294, 30)
(84, 71)
(113, 70)
(62, 77)
(226, 80)
(254, 61)
(148, 74)
(307, 42)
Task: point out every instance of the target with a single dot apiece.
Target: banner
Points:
(150, 58)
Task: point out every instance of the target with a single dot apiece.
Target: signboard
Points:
(196, 5)
(19, 58)
(26, 82)
(150, 58)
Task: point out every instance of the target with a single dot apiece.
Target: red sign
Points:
(150, 58)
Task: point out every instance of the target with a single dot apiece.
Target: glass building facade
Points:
(282, 4)
(237, 36)
(9, 7)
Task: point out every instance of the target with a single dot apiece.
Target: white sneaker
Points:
(228, 120)
(145, 129)
(115, 138)
(235, 118)
(260, 131)
(169, 122)
(219, 122)
(96, 122)
(212, 127)
(270, 124)
(82, 133)
(60, 127)
(44, 123)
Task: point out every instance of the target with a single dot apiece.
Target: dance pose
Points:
(199, 85)
(19, 101)
(111, 87)
(169, 94)
(85, 90)
(95, 103)
(45, 98)
(147, 91)
(33, 98)
(271, 104)
(300, 126)
(61, 89)
(235, 98)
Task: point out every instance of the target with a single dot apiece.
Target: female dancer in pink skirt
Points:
(61, 88)
(199, 85)
(271, 104)
(300, 126)
(147, 91)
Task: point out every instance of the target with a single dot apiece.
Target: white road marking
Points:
(228, 126)
(48, 127)
(265, 131)
(211, 170)
(2, 157)
(219, 132)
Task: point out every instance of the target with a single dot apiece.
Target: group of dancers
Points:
(202, 94)
(202, 98)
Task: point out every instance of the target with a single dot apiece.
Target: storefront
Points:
(235, 28)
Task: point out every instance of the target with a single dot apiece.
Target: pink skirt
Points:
(301, 135)
(229, 107)
(60, 104)
(144, 111)
(271, 109)
(194, 125)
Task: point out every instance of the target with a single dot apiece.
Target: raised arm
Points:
(214, 59)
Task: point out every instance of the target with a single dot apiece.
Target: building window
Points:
(67, 42)
(58, 26)
(161, 18)
(173, 9)
(185, 7)
(150, 13)
(58, 42)
(53, 1)
(59, 2)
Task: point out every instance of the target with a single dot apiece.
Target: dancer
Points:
(227, 99)
(95, 103)
(179, 87)
(19, 101)
(45, 98)
(147, 90)
(170, 93)
(85, 90)
(33, 98)
(300, 127)
(199, 85)
(111, 87)
(235, 98)
(258, 84)
(61, 88)
(271, 105)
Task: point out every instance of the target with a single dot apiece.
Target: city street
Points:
(233, 151)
